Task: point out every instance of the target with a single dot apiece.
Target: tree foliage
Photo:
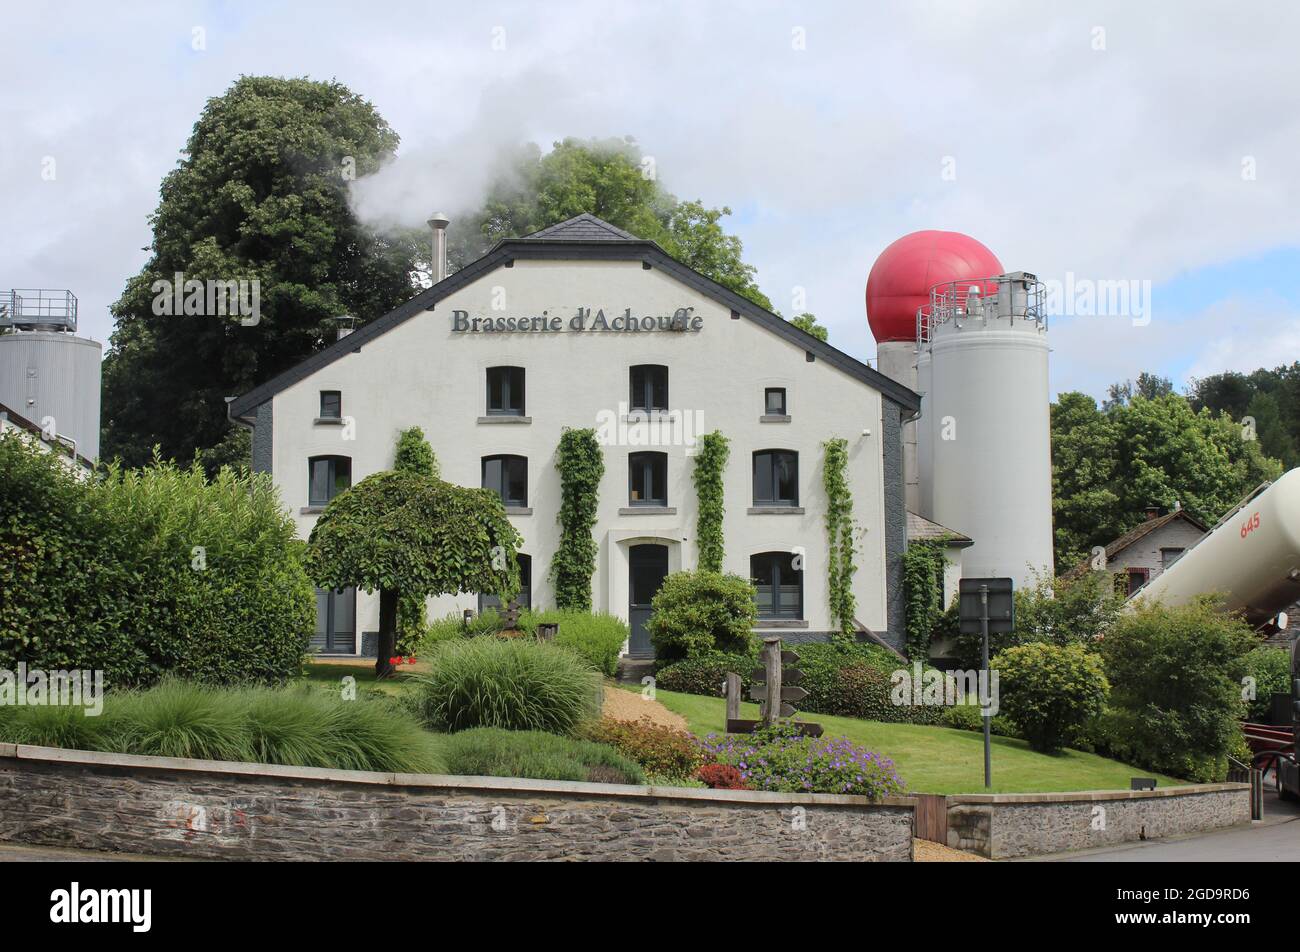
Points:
(1175, 675)
(1109, 466)
(1271, 398)
(413, 455)
(923, 569)
(408, 535)
(142, 573)
(260, 193)
(611, 179)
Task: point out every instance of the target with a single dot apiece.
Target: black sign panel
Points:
(1002, 613)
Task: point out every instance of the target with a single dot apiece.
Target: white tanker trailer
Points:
(1251, 557)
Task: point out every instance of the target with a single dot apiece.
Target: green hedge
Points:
(705, 674)
(140, 573)
(493, 752)
(598, 638)
(1271, 669)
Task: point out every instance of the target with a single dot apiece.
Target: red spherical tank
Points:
(901, 279)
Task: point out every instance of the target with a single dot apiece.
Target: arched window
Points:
(778, 583)
(649, 387)
(505, 391)
(647, 479)
(776, 478)
(327, 476)
(508, 477)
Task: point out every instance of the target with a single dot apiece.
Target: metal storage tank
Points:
(986, 451)
(1251, 557)
(46, 371)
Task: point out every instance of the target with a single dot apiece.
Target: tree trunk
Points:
(387, 634)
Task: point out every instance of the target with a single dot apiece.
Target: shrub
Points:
(597, 637)
(967, 717)
(297, 727)
(779, 758)
(698, 612)
(1175, 676)
(705, 674)
(144, 572)
(721, 777)
(1271, 669)
(663, 751)
(854, 679)
(493, 752)
(513, 684)
(1050, 692)
(1059, 610)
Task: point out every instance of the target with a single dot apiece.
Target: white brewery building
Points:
(583, 325)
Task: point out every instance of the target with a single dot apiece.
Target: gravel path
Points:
(623, 705)
(924, 851)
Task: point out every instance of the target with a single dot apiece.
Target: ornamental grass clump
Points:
(780, 758)
(513, 684)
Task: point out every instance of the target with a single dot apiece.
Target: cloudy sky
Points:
(1081, 141)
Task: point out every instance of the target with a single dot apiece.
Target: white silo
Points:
(49, 375)
(985, 449)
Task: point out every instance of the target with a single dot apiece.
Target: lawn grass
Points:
(941, 759)
(331, 674)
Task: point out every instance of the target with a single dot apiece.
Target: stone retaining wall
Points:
(1033, 824)
(207, 809)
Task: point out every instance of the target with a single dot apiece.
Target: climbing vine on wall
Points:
(581, 465)
(839, 534)
(710, 462)
(923, 564)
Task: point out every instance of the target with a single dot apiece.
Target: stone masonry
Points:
(1001, 826)
(205, 809)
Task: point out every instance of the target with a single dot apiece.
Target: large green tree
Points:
(1271, 398)
(1109, 465)
(408, 535)
(613, 180)
(260, 193)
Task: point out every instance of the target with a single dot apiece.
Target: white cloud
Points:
(1122, 163)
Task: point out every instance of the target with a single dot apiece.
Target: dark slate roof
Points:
(584, 227)
(613, 245)
(921, 529)
(1136, 534)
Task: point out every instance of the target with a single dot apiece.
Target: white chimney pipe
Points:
(439, 223)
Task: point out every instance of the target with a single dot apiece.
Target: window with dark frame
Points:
(647, 479)
(1168, 556)
(505, 391)
(507, 476)
(774, 401)
(331, 405)
(776, 478)
(778, 585)
(649, 387)
(327, 476)
(1137, 578)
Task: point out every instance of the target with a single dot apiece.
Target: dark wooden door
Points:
(647, 569)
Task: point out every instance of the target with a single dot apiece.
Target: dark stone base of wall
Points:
(203, 809)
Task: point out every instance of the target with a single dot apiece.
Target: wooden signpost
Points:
(776, 689)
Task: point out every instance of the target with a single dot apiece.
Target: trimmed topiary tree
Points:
(413, 455)
(409, 535)
(1050, 692)
(695, 613)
